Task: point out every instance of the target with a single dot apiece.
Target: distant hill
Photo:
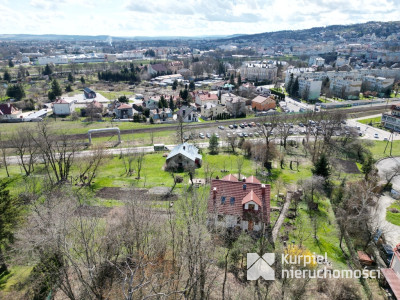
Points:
(333, 32)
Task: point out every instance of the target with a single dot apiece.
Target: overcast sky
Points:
(185, 17)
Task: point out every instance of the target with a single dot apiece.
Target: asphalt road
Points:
(385, 165)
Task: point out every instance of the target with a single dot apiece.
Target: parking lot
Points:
(255, 130)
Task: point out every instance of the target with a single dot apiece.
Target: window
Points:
(251, 206)
(220, 218)
(232, 200)
(222, 199)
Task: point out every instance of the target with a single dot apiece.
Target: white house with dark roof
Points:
(184, 156)
(188, 114)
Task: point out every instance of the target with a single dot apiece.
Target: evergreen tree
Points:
(10, 63)
(55, 88)
(68, 88)
(171, 103)
(290, 83)
(123, 99)
(213, 144)
(51, 96)
(322, 167)
(10, 211)
(192, 86)
(295, 88)
(83, 80)
(232, 80)
(151, 120)
(367, 166)
(47, 70)
(174, 85)
(70, 78)
(15, 91)
(7, 76)
(239, 80)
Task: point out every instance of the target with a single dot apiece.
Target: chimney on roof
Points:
(244, 179)
(244, 187)
(263, 191)
(214, 193)
(217, 177)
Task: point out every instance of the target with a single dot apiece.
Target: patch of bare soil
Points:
(346, 166)
(93, 211)
(138, 194)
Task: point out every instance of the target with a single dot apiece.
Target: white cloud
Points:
(191, 17)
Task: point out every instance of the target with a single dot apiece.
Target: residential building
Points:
(211, 110)
(183, 157)
(316, 61)
(309, 89)
(259, 72)
(188, 114)
(378, 84)
(9, 111)
(392, 274)
(261, 103)
(392, 121)
(124, 111)
(346, 88)
(161, 115)
(62, 107)
(89, 93)
(157, 69)
(202, 97)
(152, 102)
(236, 106)
(239, 204)
(92, 109)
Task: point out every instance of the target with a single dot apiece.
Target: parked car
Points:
(235, 126)
(201, 135)
(250, 134)
(217, 135)
(385, 139)
(231, 126)
(208, 135)
(376, 135)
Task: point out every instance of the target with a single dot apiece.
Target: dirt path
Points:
(391, 231)
(281, 217)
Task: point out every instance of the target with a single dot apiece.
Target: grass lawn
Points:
(379, 146)
(327, 232)
(17, 275)
(370, 120)
(393, 217)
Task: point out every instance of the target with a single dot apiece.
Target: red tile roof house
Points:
(392, 274)
(202, 98)
(9, 111)
(239, 204)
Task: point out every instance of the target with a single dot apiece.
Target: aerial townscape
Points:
(212, 166)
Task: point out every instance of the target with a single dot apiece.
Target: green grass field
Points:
(378, 149)
(371, 120)
(393, 217)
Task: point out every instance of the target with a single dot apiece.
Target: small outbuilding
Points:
(184, 157)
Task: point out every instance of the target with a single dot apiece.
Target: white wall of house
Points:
(63, 108)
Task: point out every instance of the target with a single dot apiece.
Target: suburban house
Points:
(188, 114)
(159, 114)
(202, 97)
(211, 111)
(62, 107)
(239, 204)
(152, 102)
(92, 108)
(89, 93)
(261, 103)
(9, 111)
(392, 274)
(124, 111)
(236, 106)
(157, 69)
(392, 120)
(184, 157)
